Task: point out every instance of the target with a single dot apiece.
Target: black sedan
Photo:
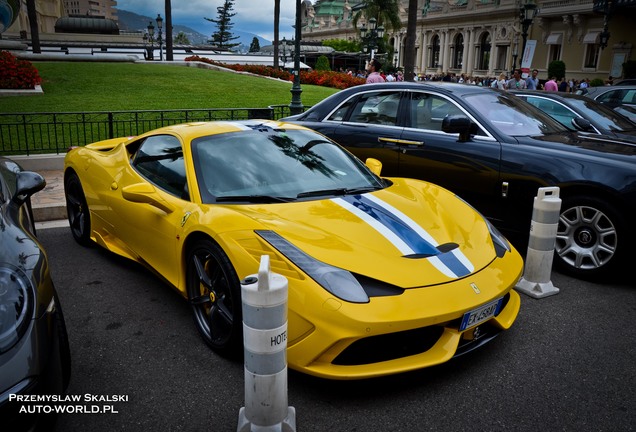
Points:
(494, 150)
(583, 114)
(621, 98)
(34, 349)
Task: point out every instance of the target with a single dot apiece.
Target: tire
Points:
(590, 239)
(214, 294)
(77, 210)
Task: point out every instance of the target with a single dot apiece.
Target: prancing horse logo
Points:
(473, 285)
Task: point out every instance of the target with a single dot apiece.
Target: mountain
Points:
(133, 22)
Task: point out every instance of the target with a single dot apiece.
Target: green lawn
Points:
(92, 86)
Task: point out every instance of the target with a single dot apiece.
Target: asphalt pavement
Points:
(567, 364)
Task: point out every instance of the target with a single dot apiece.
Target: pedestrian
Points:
(564, 86)
(373, 72)
(532, 82)
(516, 82)
(502, 84)
(551, 85)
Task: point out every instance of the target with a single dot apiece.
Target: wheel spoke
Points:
(201, 273)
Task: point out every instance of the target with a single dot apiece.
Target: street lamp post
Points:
(371, 36)
(284, 57)
(527, 12)
(159, 38)
(151, 38)
(296, 106)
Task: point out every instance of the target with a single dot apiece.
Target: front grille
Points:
(391, 346)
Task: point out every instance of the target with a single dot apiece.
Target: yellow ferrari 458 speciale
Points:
(386, 275)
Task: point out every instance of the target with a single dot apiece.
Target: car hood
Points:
(600, 145)
(411, 234)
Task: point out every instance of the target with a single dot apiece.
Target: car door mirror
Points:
(27, 183)
(146, 194)
(374, 165)
(458, 124)
(582, 124)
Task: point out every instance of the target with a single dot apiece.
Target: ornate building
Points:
(486, 37)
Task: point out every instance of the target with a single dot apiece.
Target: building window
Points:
(434, 52)
(484, 52)
(591, 55)
(458, 54)
(555, 53)
(502, 57)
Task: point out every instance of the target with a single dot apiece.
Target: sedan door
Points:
(371, 127)
(470, 169)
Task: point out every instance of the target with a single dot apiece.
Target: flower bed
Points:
(16, 73)
(322, 78)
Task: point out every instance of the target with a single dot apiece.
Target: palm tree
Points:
(409, 42)
(276, 25)
(386, 12)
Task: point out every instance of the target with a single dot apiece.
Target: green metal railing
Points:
(43, 133)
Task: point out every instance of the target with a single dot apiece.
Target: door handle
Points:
(399, 141)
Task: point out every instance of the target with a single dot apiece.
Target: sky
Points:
(253, 16)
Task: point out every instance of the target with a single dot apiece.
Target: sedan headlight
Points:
(337, 281)
(16, 305)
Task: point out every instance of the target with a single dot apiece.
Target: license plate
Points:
(480, 314)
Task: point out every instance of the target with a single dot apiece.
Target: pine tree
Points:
(222, 37)
(255, 46)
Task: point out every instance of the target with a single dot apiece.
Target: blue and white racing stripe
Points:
(406, 235)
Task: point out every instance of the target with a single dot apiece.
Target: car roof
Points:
(550, 95)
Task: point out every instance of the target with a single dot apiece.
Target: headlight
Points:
(501, 243)
(16, 305)
(337, 281)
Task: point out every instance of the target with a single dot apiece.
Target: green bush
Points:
(629, 69)
(597, 82)
(322, 64)
(556, 68)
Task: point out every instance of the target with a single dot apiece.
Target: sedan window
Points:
(554, 109)
(428, 111)
(372, 107)
(160, 160)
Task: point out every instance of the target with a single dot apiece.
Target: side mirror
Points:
(458, 124)
(145, 194)
(27, 184)
(374, 165)
(582, 124)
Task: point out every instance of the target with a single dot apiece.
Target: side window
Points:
(555, 110)
(160, 160)
(377, 108)
(428, 111)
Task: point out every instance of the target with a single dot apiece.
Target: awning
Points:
(591, 37)
(554, 39)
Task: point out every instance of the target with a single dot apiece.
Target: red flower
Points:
(17, 74)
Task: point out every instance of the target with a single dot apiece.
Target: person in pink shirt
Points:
(373, 72)
(551, 85)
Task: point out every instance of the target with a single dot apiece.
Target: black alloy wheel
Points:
(214, 293)
(77, 209)
(588, 234)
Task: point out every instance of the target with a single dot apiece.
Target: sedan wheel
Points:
(214, 294)
(587, 237)
(77, 209)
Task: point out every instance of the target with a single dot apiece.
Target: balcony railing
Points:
(41, 133)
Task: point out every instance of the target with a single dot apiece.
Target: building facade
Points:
(482, 38)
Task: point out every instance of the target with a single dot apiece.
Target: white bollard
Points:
(265, 346)
(538, 265)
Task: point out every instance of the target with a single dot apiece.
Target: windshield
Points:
(275, 165)
(604, 115)
(512, 116)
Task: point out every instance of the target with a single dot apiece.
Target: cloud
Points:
(255, 16)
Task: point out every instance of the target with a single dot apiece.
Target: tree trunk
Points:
(409, 42)
(276, 25)
(169, 54)
(33, 24)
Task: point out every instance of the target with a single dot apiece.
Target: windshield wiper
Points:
(337, 191)
(254, 198)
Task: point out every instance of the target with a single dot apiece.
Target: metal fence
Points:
(41, 133)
